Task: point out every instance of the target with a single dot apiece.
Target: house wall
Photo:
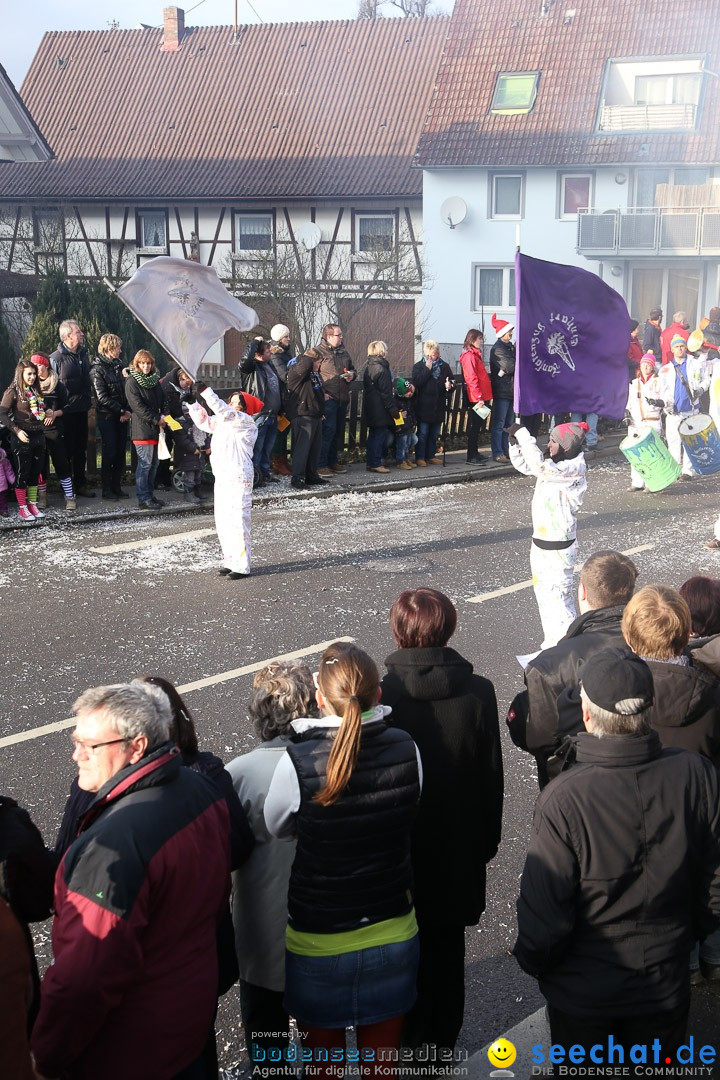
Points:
(451, 253)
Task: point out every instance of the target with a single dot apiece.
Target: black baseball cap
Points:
(614, 677)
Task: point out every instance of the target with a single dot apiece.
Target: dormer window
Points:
(661, 94)
(515, 92)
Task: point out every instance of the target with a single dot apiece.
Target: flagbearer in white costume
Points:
(559, 491)
(233, 438)
(641, 414)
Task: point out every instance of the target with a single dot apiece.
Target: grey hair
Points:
(282, 692)
(679, 316)
(66, 326)
(606, 723)
(135, 708)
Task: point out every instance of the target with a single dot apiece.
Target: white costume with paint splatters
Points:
(643, 415)
(558, 496)
(233, 438)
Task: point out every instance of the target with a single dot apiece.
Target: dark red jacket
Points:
(138, 897)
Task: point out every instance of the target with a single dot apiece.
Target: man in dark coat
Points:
(133, 987)
(607, 581)
(502, 380)
(72, 364)
(451, 713)
(622, 873)
(336, 373)
(651, 336)
(305, 406)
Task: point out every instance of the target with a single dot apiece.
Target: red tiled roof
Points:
(298, 110)
(491, 36)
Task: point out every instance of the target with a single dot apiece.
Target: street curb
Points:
(440, 476)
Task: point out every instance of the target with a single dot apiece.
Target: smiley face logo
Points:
(502, 1054)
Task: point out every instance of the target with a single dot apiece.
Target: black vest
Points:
(353, 857)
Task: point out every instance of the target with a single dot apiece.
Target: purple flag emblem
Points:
(573, 333)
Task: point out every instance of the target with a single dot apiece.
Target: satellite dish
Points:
(453, 211)
(309, 235)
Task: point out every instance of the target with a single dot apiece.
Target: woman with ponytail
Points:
(23, 410)
(347, 788)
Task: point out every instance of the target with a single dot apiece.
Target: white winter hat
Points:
(279, 331)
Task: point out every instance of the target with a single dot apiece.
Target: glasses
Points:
(335, 335)
(90, 748)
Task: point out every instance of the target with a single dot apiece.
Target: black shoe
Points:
(157, 503)
(298, 482)
(315, 481)
(120, 494)
(234, 576)
(146, 506)
(224, 570)
(709, 972)
(271, 479)
(110, 496)
(478, 460)
(85, 493)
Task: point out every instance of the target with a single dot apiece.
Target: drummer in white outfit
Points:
(680, 384)
(643, 414)
(233, 438)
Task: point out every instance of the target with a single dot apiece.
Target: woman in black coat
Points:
(111, 413)
(146, 400)
(379, 409)
(433, 381)
(452, 716)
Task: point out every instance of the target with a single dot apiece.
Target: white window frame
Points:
(368, 252)
(494, 177)
(508, 271)
(562, 178)
(152, 249)
(253, 252)
(670, 80)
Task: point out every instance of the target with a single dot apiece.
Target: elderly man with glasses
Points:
(138, 897)
(336, 373)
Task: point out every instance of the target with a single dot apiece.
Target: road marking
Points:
(169, 538)
(520, 585)
(187, 688)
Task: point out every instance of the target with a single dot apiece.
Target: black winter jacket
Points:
(378, 405)
(651, 341)
(502, 359)
(147, 404)
(254, 380)
(339, 883)
(622, 874)
(431, 396)
(452, 716)
(686, 712)
(172, 392)
(280, 357)
(305, 397)
(533, 719)
(74, 372)
(108, 387)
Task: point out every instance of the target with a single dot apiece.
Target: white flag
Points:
(185, 306)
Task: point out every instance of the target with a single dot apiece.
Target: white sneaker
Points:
(25, 516)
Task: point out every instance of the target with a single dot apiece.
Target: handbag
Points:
(163, 452)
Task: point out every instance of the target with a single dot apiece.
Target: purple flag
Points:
(573, 333)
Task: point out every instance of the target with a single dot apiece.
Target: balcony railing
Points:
(644, 230)
(644, 117)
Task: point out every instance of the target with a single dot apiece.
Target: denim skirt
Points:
(353, 988)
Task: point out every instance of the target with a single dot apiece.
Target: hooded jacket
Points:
(622, 874)
(559, 491)
(686, 712)
(451, 715)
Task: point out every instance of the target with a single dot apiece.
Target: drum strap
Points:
(679, 375)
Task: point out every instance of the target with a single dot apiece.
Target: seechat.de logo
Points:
(501, 1054)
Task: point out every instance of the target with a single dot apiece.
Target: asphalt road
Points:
(76, 614)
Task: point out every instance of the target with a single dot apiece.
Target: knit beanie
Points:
(279, 331)
(678, 339)
(570, 438)
(648, 358)
(402, 386)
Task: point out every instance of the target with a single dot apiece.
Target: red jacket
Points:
(138, 896)
(477, 380)
(666, 337)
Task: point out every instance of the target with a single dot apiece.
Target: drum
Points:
(702, 442)
(650, 457)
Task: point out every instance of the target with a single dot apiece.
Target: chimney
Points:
(173, 28)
